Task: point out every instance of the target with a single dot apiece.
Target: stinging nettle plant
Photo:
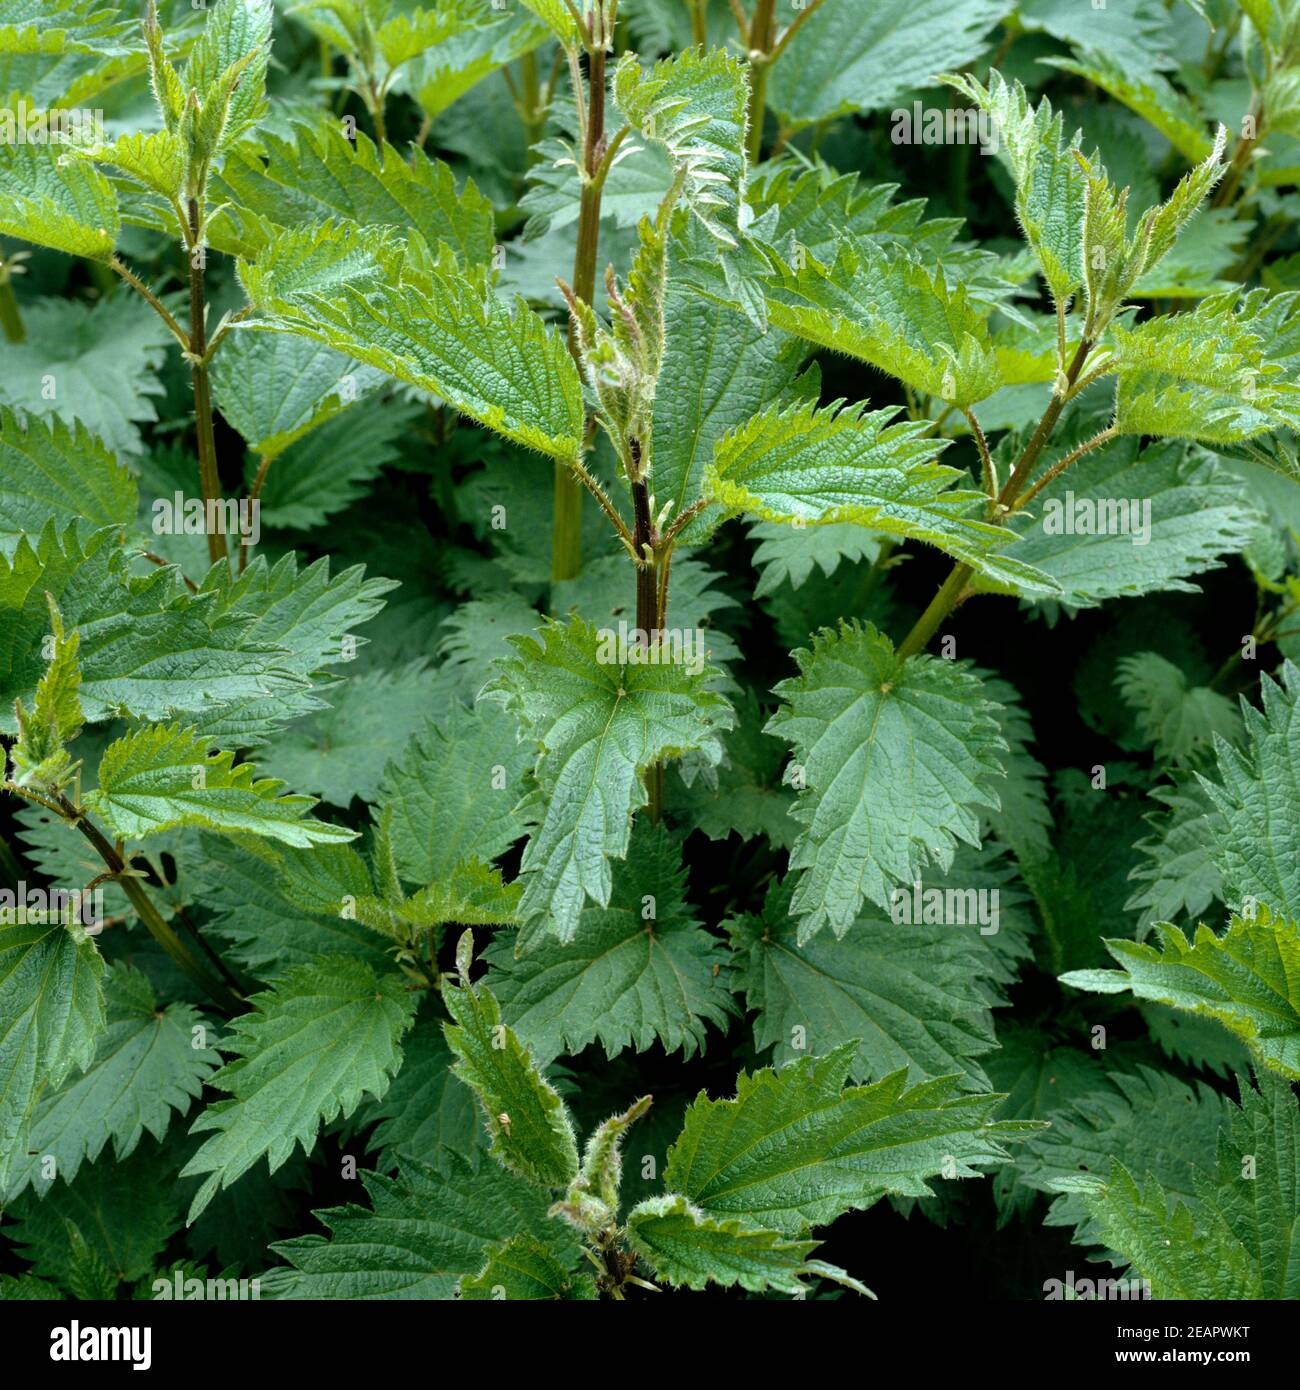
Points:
(319, 877)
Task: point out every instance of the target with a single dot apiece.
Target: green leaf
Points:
(845, 60)
(341, 752)
(1023, 821)
(51, 1016)
(166, 775)
(454, 790)
(237, 36)
(425, 1112)
(694, 106)
(1248, 979)
(824, 467)
(443, 331)
(1125, 521)
(892, 313)
(1149, 1121)
(903, 994)
(687, 1248)
(1181, 723)
(897, 762)
(425, 1230)
(1212, 373)
(319, 175)
(794, 1149)
(274, 388)
(68, 207)
(599, 726)
(526, 1269)
(1150, 94)
(147, 647)
(322, 1037)
(1256, 832)
(50, 471)
(150, 1061)
(89, 365)
(1050, 185)
(39, 758)
(626, 979)
(110, 1225)
(530, 1127)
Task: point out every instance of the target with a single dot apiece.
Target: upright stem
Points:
(566, 540)
(11, 321)
(209, 479)
(953, 588)
(760, 49)
(648, 615)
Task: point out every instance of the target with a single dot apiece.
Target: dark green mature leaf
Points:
(1125, 521)
(324, 1036)
(904, 993)
(838, 1150)
(1181, 722)
(844, 59)
(50, 471)
(1256, 832)
(897, 762)
(149, 1062)
(454, 792)
(638, 970)
(599, 726)
(52, 1007)
(1147, 1120)
(89, 365)
(526, 1269)
(427, 1229)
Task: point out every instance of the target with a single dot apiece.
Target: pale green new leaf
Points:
(69, 207)
(836, 464)
(444, 332)
(1212, 373)
(51, 1017)
(598, 725)
(529, 1125)
(321, 1038)
(1050, 186)
(891, 312)
(1248, 979)
(897, 763)
(164, 776)
(626, 979)
(237, 32)
(795, 1149)
(150, 1062)
(425, 1229)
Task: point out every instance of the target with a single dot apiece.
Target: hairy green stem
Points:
(953, 589)
(648, 615)
(566, 538)
(761, 34)
(158, 928)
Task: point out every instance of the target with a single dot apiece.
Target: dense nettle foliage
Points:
(649, 646)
